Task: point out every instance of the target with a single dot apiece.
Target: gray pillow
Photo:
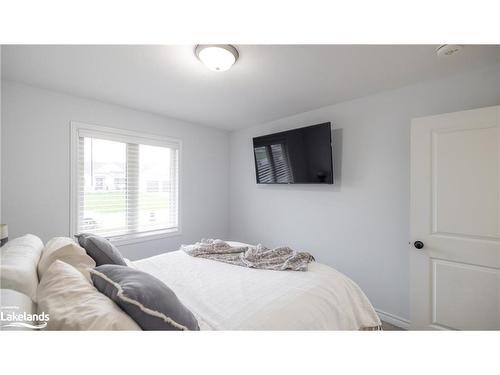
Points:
(147, 300)
(100, 249)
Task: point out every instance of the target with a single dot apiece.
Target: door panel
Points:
(466, 182)
(455, 212)
(465, 296)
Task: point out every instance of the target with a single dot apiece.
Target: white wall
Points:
(360, 225)
(35, 174)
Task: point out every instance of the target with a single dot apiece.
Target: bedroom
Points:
(250, 187)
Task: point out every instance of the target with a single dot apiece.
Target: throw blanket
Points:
(278, 259)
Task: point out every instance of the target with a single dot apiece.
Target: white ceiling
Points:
(268, 82)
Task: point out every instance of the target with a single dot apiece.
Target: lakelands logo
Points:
(11, 317)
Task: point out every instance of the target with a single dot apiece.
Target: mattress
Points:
(228, 297)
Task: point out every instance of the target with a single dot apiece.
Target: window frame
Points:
(79, 129)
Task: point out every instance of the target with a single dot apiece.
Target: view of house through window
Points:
(126, 188)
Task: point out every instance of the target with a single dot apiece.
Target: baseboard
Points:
(393, 319)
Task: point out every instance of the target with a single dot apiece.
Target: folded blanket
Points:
(278, 259)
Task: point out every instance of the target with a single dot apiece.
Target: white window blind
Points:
(126, 186)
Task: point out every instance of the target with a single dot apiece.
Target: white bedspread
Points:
(228, 297)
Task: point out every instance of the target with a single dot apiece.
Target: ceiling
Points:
(267, 82)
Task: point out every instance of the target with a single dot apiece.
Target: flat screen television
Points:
(297, 156)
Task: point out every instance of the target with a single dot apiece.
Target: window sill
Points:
(143, 237)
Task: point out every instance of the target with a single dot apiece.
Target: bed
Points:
(221, 296)
(227, 297)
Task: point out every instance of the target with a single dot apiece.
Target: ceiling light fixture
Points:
(217, 57)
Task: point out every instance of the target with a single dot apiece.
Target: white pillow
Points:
(56, 243)
(73, 303)
(18, 263)
(13, 302)
(70, 253)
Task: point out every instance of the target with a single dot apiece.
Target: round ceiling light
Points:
(217, 57)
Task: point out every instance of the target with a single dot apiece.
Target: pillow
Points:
(15, 303)
(56, 243)
(73, 303)
(71, 254)
(144, 298)
(18, 262)
(100, 249)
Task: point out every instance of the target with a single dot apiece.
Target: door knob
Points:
(418, 245)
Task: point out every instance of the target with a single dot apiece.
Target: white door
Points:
(455, 214)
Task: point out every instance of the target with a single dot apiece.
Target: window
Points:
(99, 183)
(120, 183)
(125, 185)
(153, 186)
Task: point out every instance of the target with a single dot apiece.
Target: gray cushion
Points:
(147, 300)
(100, 249)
